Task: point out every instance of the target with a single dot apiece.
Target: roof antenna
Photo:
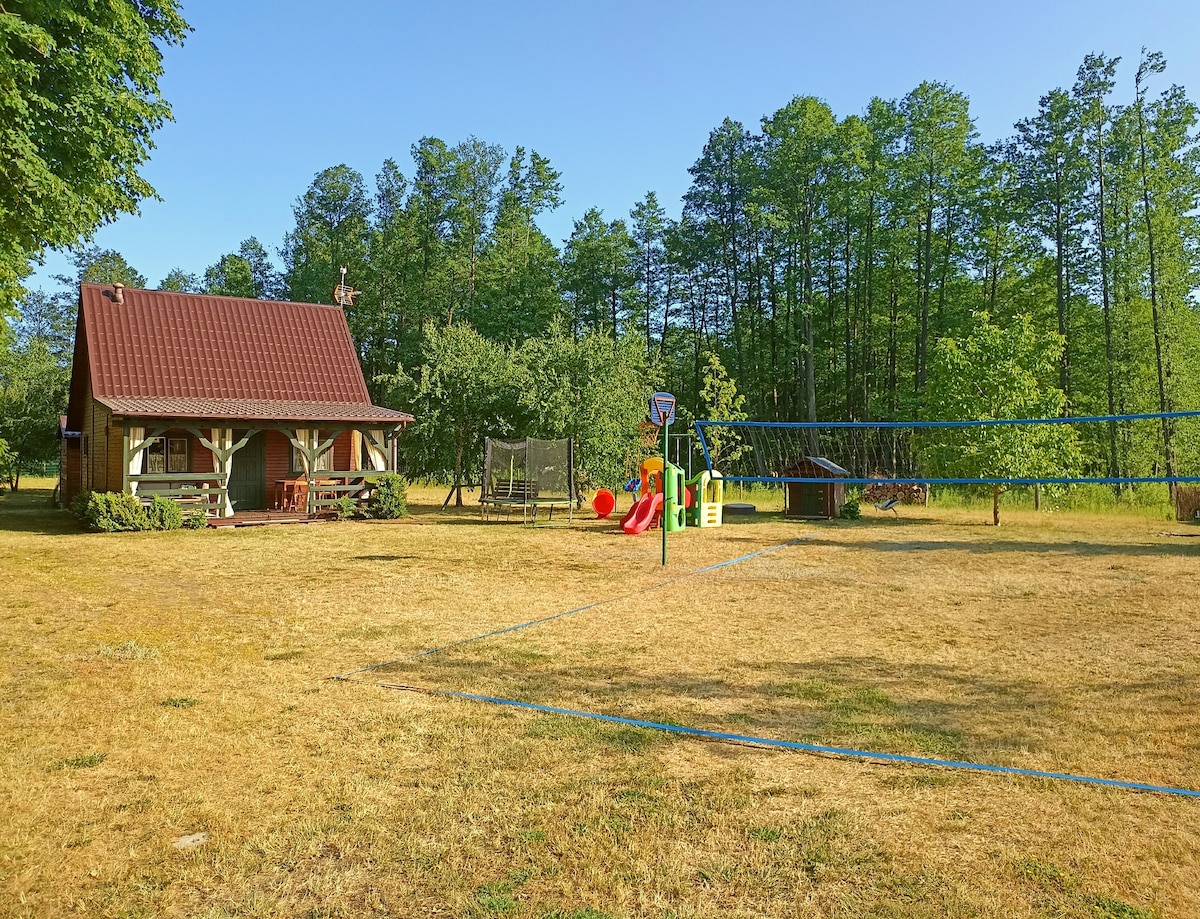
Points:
(342, 294)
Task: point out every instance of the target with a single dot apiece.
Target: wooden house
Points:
(225, 403)
(814, 500)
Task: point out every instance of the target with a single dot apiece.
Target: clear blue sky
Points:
(620, 96)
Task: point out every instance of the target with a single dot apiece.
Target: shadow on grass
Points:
(992, 547)
(854, 702)
(29, 510)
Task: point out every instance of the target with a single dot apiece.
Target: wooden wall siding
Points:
(341, 452)
(279, 459)
(88, 430)
(114, 465)
(72, 469)
(202, 458)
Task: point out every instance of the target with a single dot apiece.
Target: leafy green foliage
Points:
(79, 99)
(109, 512)
(344, 509)
(195, 519)
(467, 389)
(851, 510)
(33, 391)
(720, 401)
(389, 498)
(164, 514)
(247, 273)
(592, 388)
(121, 512)
(997, 373)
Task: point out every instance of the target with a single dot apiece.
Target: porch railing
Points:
(327, 489)
(191, 490)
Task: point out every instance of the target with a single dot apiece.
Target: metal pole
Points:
(667, 502)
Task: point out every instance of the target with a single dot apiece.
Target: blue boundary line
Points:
(796, 745)
(578, 609)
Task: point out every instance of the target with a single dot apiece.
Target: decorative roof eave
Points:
(256, 410)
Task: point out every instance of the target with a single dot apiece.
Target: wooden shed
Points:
(814, 500)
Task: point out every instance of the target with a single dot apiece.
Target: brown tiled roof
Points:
(252, 409)
(193, 355)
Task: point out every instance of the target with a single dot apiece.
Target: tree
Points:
(94, 265)
(598, 273)
(33, 392)
(1053, 178)
(332, 232)
(468, 388)
(518, 294)
(649, 228)
(247, 273)
(180, 282)
(592, 388)
(79, 101)
(720, 401)
(997, 372)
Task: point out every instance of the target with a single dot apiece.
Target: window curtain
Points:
(375, 454)
(137, 458)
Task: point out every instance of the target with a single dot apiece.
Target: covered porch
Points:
(226, 467)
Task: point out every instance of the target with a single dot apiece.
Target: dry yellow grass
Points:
(156, 686)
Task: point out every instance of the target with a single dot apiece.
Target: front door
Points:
(248, 476)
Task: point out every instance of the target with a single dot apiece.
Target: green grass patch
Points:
(128, 651)
(86, 761)
(283, 656)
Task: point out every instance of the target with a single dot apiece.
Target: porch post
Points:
(308, 442)
(222, 448)
(222, 438)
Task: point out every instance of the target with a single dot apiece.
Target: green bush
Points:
(119, 512)
(344, 509)
(195, 520)
(164, 514)
(851, 510)
(389, 498)
(110, 512)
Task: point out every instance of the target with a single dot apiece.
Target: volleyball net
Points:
(1102, 449)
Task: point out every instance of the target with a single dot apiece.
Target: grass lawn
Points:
(171, 743)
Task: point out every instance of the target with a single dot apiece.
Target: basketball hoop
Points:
(662, 408)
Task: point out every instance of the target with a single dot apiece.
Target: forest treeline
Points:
(820, 259)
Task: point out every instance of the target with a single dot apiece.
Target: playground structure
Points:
(695, 502)
(530, 475)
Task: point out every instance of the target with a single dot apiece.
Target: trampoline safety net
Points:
(528, 470)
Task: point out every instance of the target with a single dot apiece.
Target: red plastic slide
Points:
(641, 514)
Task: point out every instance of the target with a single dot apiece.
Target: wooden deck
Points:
(262, 518)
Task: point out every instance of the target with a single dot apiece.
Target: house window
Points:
(324, 461)
(167, 454)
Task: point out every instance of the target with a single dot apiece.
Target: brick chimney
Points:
(118, 293)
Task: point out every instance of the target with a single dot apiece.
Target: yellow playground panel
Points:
(708, 491)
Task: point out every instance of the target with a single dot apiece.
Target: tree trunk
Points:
(996, 505)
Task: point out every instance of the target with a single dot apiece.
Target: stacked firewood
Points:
(886, 491)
